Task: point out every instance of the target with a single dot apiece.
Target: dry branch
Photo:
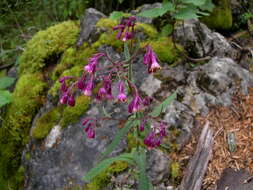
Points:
(197, 166)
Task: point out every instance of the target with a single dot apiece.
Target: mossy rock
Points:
(221, 16)
(72, 57)
(53, 41)
(29, 95)
(72, 114)
(46, 122)
(103, 179)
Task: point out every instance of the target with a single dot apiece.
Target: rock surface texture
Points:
(65, 155)
(88, 25)
(200, 41)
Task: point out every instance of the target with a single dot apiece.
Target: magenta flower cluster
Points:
(126, 29)
(116, 74)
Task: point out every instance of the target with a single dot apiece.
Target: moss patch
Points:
(27, 99)
(72, 114)
(147, 29)
(46, 43)
(221, 16)
(72, 57)
(103, 179)
(46, 122)
(29, 96)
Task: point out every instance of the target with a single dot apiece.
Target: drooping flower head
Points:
(71, 101)
(122, 95)
(89, 87)
(105, 92)
(126, 28)
(64, 98)
(89, 129)
(81, 83)
(156, 135)
(135, 104)
(92, 64)
(150, 60)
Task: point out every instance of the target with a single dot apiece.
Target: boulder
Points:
(88, 26)
(199, 41)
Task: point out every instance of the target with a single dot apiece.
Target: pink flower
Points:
(150, 60)
(64, 98)
(89, 87)
(71, 101)
(93, 61)
(135, 105)
(121, 96)
(128, 26)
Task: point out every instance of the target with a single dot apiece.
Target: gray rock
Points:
(88, 26)
(65, 162)
(180, 116)
(143, 8)
(200, 41)
(214, 83)
(151, 85)
(158, 166)
(231, 179)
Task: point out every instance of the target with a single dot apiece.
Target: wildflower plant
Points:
(143, 121)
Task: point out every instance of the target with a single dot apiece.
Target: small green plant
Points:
(174, 10)
(5, 95)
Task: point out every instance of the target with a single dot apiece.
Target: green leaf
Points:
(120, 1)
(129, 124)
(156, 12)
(100, 167)
(5, 97)
(6, 82)
(140, 158)
(168, 6)
(115, 15)
(167, 30)
(186, 13)
(160, 108)
(195, 2)
(208, 6)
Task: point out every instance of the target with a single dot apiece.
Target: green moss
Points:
(27, 156)
(164, 49)
(101, 181)
(221, 16)
(106, 23)
(108, 38)
(46, 43)
(46, 122)
(147, 29)
(73, 71)
(72, 57)
(72, 114)
(28, 96)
